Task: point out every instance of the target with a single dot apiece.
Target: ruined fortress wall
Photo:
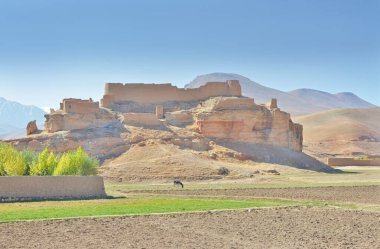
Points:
(79, 106)
(51, 186)
(160, 93)
(351, 162)
(235, 104)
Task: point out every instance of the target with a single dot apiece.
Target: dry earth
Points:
(196, 159)
(259, 228)
(341, 132)
(363, 195)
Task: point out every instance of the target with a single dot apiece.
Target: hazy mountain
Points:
(342, 132)
(14, 117)
(297, 102)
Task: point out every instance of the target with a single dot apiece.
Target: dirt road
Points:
(258, 228)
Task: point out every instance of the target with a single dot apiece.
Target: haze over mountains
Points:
(14, 117)
(297, 102)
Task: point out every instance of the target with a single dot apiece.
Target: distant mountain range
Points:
(14, 117)
(297, 102)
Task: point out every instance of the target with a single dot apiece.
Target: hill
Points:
(297, 102)
(15, 116)
(342, 132)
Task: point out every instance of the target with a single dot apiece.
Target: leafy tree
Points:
(45, 164)
(15, 165)
(76, 163)
(12, 163)
(4, 152)
(30, 157)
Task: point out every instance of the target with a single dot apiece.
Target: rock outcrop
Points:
(31, 128)
(240, 119)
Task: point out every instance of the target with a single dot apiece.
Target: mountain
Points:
(341, 132)
(297, 102)
(14, 117)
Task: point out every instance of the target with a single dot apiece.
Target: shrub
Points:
(223, 171)
(76, 163)
(45, 164)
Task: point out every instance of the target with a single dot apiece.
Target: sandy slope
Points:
(158, 159)
(342, 132)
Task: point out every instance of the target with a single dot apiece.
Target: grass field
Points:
(128, 206)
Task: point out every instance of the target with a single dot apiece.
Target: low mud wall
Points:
(50, 187)
(352, 162)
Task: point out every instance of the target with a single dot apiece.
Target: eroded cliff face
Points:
(240, 119)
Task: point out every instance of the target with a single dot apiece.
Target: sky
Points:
(53, 49)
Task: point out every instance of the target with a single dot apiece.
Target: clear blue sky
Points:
(51, 49)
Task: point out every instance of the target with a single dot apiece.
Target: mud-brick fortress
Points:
(215, 110)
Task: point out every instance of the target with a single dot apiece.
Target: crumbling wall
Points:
(79, 106)
(160, 93)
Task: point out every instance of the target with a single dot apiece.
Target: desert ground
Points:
(294, 210)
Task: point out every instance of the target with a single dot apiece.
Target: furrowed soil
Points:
(360, 194)
(296, 227)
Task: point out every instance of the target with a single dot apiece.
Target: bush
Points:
(223, 171)
(76, 163)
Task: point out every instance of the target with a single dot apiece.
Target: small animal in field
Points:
(178, 184)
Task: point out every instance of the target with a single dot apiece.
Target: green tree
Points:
(12, 163)
(77, 163)
(30, 157)
(15, 165)
(45, 164)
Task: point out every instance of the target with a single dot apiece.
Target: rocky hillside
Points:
(342, 132)
(222, 137)
(297, 102)
(15, 116)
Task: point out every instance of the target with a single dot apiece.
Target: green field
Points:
(127, 206)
